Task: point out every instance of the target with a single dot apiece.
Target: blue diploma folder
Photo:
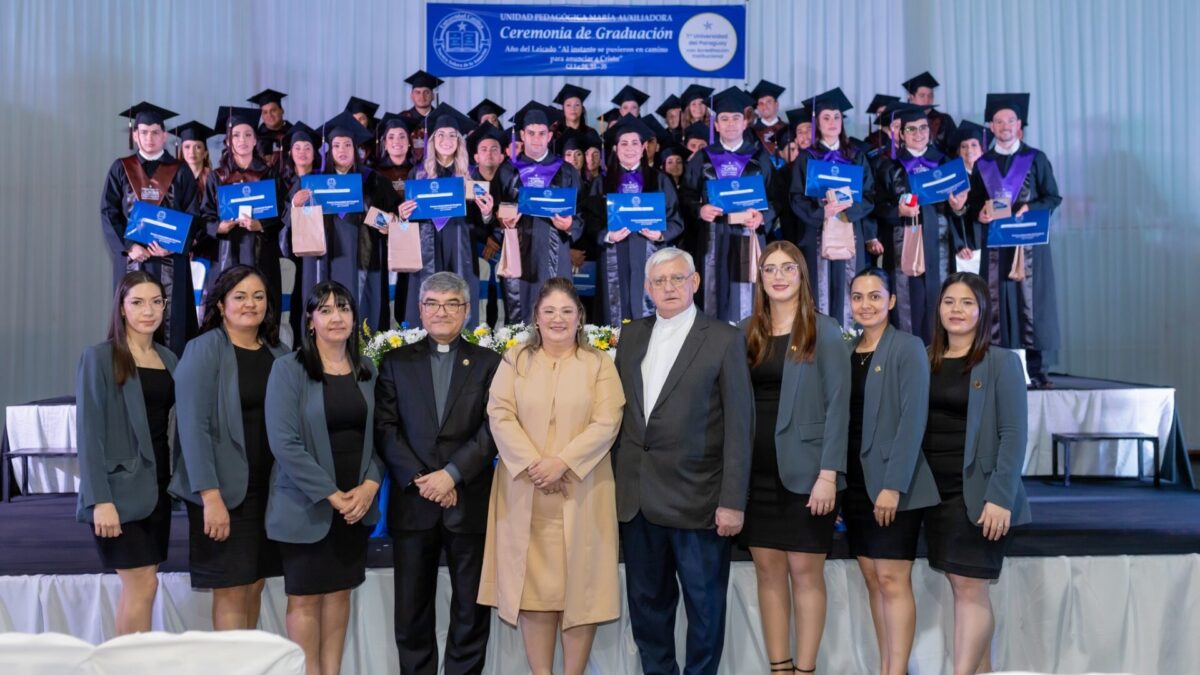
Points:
(824, 176)
(166, 227)
(936, 185)
(732, 195)
(335, 193)
(1031, 229)
(259, 196)
(637, 211)
(546, 202)
(437, 198)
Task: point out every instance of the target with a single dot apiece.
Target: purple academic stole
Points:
(728, 164)
(535, 175)
(998, 185)
(631, 182)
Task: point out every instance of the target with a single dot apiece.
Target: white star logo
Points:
(707, 25)
(462, 25)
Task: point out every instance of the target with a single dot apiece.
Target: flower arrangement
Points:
(499, 340)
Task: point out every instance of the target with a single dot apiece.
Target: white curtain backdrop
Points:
(1131, 614)
(1114, 87)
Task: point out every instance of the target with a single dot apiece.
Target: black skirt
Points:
(242, 559)
(141, 542)
(867, 539)
(956, 545)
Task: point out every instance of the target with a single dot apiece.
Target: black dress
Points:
(247, 555)
(339, 561)
(776, 517)
(144, 542)
(866, 538)
(955, 543)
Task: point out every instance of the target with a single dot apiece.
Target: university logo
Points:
(833, 170)
(246, 191)
(637, 201)
(161, 215)
(937, 173)
(462, 40)
(331, 183)
(433, 186)
(547, 193)
(735, 185)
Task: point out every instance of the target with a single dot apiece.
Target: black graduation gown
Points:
(1025, 313)
(621, 267)
(395, 310)
(721, 250)
(451, 249)
(941, 130)
(417, 136)
(174, 271)
(350, 246)
(496, 185)
(271, 142)
(830, 279)
(545, 249)
(943, 235)
(240, 246)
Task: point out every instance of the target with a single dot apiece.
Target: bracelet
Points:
(831, 480)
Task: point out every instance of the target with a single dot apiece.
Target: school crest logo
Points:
(461, 40)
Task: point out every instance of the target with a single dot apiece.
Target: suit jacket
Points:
(693, 454)
(895, 409)
(997, 432)
(211, 452)
(298, 508)
(813, 424)
(412, 440)
(116, 454)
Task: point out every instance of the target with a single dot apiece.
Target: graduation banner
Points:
(336, 193)
(737, 194)
(546, 202)
(437, 197)
(258, 196)
(663, 40)
(157, 224)
(936, 185)
(637, 211)
(825, 176)
(1031, 229)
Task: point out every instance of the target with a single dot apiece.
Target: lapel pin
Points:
(978, 384)
(466, 362)
(879, 369)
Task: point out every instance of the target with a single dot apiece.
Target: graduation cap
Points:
(669, 151)
(444, 116)
(359, 105)
(301, 132)
(629, 93)
(534, 113)
(344, 124)
(765, 88)
(922, 80)
(571, 91)
(611, 116)
(580, 138)
(486, 107)
(423, 79)
(267, 96)
(631, 124)
(660, 132)
(147, 113)
(696, 130)
(880, 101)
(229, 116)
(732, 100)
(967, 130)
(672, 103)
(905, 112)
(1018, 103)
(833, 99)
(509, 137)
(395, 121)
(193, 131)
(693, 92)
(485, 131)
(801, 115)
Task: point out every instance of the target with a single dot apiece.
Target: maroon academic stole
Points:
(147, 189)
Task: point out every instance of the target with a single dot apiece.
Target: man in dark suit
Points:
(682, 466)
(431, 429)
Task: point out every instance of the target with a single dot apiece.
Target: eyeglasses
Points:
(786, 269)
(451, 307)
(923, 129)
(675, 281)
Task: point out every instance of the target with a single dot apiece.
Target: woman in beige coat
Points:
(551, 552)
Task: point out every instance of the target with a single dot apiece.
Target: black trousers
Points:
(415, 556)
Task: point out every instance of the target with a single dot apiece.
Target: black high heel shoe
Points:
(782, 666)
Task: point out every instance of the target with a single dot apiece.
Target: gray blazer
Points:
(694, 453)
(895, 409)
(814, 412)
(211, 452)
(116, 455)
(298, 509)
(997, 431)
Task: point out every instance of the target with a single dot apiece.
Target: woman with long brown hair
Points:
(550, 557)
(975, 444)
(124, 391)
(801, 382)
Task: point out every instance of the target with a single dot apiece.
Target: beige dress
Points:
(554, 552)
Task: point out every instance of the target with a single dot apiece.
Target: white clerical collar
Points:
(544, 156)
(155, 158)
(769, 122)
(443, 349)
(1011, 151)
(734, 148)
(680, 318)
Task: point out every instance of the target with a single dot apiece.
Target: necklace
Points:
(863, 357)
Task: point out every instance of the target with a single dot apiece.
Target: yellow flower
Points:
(481, 331)
(625, 321)
(602, 345)
(510, 343)
(395, 341)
